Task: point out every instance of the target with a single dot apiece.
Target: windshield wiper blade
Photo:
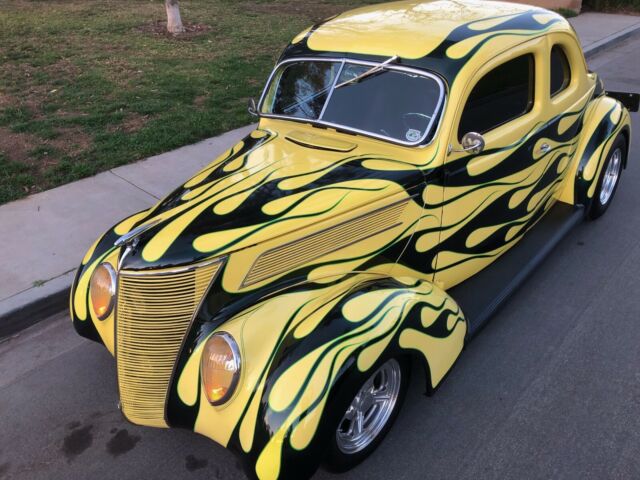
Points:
(371, 71)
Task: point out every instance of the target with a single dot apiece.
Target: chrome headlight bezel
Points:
(233, 365)
(113, 282)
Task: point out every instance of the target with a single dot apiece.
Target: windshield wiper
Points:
(303, 101)
(371, 71)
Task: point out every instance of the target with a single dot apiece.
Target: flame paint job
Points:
(302, 330)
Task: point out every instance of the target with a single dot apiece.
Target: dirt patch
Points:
(30, 91)
(61, 68)
(16, 146)
(64, 114)
(131, 124)
(30, 99)
(70, 140)
(200, 100)
(23, 70)
(159, 28)
(6, 101)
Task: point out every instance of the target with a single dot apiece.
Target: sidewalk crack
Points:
(134, 185)
(38, 284)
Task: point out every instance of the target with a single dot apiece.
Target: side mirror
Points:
(472, 142)
(252, 108)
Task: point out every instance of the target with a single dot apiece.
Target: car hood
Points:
(266, 185)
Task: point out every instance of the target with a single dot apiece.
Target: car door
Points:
(568, 92)
(491, 198)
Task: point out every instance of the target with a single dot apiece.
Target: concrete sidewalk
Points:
(601, 30)
(45, 236)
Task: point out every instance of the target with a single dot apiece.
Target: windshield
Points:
(387, 102)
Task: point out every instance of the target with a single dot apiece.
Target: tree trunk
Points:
(174, 22)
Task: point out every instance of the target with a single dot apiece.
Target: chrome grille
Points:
(153, 313)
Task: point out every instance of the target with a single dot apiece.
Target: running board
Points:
(482, 295)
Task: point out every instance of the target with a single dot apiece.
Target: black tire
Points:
(598, 207)
(336, 459)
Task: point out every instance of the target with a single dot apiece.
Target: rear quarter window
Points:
(560, 70)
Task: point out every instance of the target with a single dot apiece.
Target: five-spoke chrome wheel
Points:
(370, 409)
(611, 176)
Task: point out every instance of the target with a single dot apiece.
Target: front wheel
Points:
(369, 415)
(609, 178)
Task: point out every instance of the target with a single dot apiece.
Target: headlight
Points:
(102, 290)
(220, 367)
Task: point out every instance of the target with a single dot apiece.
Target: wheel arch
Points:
(604, 119)
(374, 320)
(626, 132)
(352, 323)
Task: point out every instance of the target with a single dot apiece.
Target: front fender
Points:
(84, 319)
(295, 348)
(604, 119)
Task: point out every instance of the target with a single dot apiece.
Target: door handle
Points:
(545, 147)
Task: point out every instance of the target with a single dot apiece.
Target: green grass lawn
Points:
(87, 85)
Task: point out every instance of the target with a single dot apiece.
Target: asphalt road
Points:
(550, 389)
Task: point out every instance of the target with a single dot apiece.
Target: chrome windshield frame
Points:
(437, 113)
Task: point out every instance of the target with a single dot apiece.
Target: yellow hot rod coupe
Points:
(413, 162)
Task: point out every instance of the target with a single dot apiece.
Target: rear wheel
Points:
(368, 415)
(609, 178)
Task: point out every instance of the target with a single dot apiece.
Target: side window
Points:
(505, 93)
(560, 71)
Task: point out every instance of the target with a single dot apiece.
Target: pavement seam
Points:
(44, 282)
(133, 184)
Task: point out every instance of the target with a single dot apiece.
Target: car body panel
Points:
(605, 118)
(404, 34)
(493, 198)
(453, 43)
(311, 336)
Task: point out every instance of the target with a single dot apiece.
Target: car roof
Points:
(417, 31)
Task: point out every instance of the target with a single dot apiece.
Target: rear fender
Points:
(296, 348)
(604, 119)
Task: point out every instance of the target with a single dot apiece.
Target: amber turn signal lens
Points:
(220, 367)
(102, 290)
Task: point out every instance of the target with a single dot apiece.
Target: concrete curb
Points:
(29, 307)
(610, 41)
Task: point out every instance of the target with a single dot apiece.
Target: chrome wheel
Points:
(611, 176)
(370, 409)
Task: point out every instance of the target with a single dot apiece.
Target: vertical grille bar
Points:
(153, 313)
